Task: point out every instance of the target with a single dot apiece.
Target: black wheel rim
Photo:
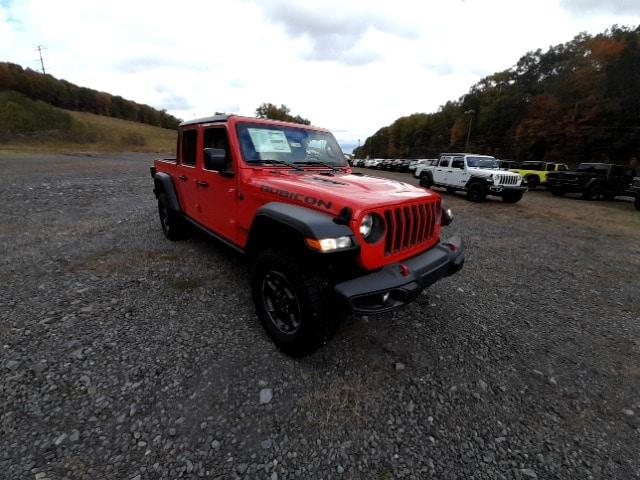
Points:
(280, 302)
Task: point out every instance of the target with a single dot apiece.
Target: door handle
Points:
(183, 178)
(202, 183)
(449, 171)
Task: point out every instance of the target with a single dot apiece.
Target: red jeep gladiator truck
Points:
(321, 239)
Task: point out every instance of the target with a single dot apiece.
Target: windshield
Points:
(482, 162)
(288, 144)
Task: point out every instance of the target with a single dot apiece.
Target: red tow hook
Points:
(404, 270)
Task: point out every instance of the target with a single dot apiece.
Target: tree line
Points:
(578, 101)
(63, 94)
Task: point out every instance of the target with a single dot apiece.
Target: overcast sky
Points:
(349, 65)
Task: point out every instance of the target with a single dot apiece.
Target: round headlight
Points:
(366, 225)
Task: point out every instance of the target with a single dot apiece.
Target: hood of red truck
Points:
(333, 192)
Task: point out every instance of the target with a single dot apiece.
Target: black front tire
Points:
(514, 197)
(593, 192)
(476, 192)
(533, 182)
(425, 181)
(173, 225)
(293, 301)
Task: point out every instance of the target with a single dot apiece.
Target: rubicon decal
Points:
(306, 199)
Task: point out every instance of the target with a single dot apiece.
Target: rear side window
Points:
(617, 171)
(444, 162)
(189, 147)
(457, 162)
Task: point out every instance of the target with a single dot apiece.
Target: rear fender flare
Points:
(162, 183)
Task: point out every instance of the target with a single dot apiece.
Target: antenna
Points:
(40, 48)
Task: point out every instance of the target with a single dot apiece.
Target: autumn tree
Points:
(576, 102)
(283, 113)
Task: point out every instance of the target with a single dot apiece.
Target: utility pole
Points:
(470, 113)
(40, 48)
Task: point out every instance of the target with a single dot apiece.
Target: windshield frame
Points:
(295, 135)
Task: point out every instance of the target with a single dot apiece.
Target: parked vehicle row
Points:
(482, 175)
(390, 164)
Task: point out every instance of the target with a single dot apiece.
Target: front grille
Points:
(508, 179)
(409, 226)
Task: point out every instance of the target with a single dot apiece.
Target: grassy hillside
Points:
(63, 94)
(31, 125)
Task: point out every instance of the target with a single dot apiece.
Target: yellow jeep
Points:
(535, 173)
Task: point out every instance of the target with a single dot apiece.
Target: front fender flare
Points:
(305, 222)
(481, 180)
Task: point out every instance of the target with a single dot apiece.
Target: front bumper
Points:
(400, 283)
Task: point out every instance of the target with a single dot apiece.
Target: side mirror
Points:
(215, 159)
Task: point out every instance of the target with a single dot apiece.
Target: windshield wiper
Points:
(278, 162)
(318, 162)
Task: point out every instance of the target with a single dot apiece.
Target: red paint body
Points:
(228, 204)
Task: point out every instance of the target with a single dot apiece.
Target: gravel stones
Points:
(266, 395)
(94, 366)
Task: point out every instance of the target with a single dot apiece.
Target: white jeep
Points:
(478, 175)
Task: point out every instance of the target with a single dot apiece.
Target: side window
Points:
(629, 172)
(550, 167)
(458, 162)
(562, 168)
(189, 147)
(617, 171)
(216, 138)
(444, 162)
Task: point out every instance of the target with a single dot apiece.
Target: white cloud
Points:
(616, 7)
(350, 66)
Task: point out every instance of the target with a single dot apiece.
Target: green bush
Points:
(20, 115)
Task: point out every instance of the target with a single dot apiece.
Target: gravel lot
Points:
(126, 356)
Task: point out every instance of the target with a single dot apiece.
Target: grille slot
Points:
(508, 180)
(408, 227)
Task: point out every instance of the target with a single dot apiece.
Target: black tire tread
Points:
(319, 324)
(178, 229)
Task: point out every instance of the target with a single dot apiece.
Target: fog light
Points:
(385, 297)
